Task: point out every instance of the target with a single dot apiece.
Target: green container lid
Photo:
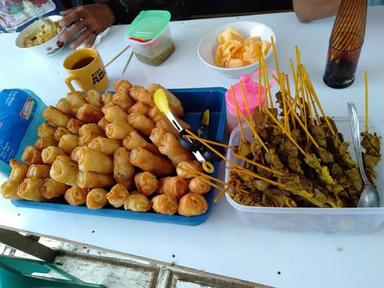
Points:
(148, 24)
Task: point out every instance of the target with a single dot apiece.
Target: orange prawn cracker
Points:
(235, 50)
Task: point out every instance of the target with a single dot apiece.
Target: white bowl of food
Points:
(42, 36)
(233, 59)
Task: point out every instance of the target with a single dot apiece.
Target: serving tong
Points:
(204, 156)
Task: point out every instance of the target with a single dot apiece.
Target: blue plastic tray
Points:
(194, 100)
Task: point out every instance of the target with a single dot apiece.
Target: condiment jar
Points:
(150, 37)
(345, 43)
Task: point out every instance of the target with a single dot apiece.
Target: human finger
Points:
(67, 11)
(72, 31)
(91, 39)
(76, 15)
(82, 37)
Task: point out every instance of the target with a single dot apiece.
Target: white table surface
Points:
(222, 245)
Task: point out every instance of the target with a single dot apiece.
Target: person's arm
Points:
(307, 10)
(86, 21)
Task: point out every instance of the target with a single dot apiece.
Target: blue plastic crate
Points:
(194, 100)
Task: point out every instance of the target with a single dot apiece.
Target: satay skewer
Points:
(305, 130)
(285, 132)
(257, 164)
(252, 174)
(202, 141)
(249, 123)
(256, 135)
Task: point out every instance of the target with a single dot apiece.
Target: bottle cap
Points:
(148, 25)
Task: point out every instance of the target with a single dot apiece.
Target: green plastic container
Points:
(150, 37)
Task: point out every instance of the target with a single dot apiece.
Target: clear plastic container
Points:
(330, 220)
(150, 36)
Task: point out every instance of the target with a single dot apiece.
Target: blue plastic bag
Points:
(20, 117)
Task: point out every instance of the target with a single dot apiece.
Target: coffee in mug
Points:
(87, 69)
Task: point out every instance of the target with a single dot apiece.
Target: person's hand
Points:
(84, 23)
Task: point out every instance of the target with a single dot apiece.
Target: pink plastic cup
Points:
(251, 88)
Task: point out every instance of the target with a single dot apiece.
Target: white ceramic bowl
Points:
(208, 45)
(46, 49)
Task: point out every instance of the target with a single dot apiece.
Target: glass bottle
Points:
(345, 43)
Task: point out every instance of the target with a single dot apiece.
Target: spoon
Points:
(369, 196)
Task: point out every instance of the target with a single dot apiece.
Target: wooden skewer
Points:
(314, 95)
(127, 63)
(307, 100)
(366, 100)
(220, 144)
(220, 194)
(289, 98)
(238, 114)
(274, 50)
(293, 72)
(257, 164)
(298, 56)
(259, 83)
(193, 136)
(285, 132)
(243, 93)
(313, 105)
(305, 129)
(211, 184)
(276, 78)
(202, 141)
(282, 89)
(252, 174)
(198, 173)
(248, 121)
(267, 86)
(117, 56)
(256, 135)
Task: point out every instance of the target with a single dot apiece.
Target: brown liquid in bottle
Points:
(82, 62)
(345, 43)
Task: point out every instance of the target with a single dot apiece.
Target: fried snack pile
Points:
(110, 149)
(297, 157)
(236, 51)
(46, 31)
